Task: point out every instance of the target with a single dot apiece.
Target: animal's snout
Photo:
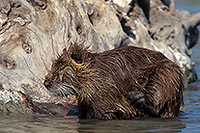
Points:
(47, 84)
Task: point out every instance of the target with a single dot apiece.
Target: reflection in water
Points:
(17, 123)
(174, 125)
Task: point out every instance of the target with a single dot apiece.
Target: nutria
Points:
(122, 83)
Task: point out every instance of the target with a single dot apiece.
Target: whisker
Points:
(61, 90)
(71, 87)
(69, 90)
(66, 92)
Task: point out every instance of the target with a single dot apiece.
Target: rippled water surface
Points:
(187, 122)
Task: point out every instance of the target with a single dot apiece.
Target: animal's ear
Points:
(77, 57)
(77, 53)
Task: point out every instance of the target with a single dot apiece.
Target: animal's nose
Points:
(47, 84)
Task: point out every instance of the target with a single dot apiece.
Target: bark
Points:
(34, 32)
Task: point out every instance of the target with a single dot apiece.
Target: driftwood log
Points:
(34, 32)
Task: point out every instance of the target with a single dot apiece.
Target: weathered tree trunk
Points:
(34, 32)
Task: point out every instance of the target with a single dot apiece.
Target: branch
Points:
(172, 5)
(193, 21)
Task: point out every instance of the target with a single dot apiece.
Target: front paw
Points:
(136, 98)
(139, 100)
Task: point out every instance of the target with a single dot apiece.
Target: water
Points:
(187, 122)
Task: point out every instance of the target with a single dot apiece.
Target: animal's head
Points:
(63, 77)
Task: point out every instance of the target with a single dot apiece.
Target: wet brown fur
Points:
(103, 80)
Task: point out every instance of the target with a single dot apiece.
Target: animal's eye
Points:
(61, 63)
(77, 58)
(64, 50)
